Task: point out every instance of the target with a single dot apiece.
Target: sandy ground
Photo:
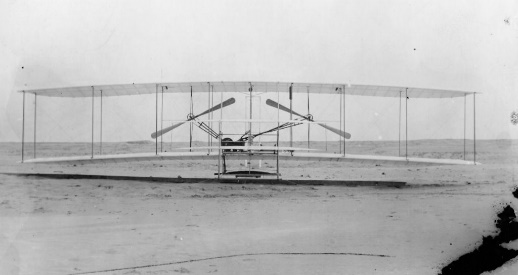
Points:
(71, 226)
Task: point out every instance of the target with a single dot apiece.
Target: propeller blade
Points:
(223, 104)
(334, 130)
(281, 107)
(165, 130)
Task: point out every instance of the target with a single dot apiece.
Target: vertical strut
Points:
(93, 101)
(220, 132)
(474, 133)
(211, 113)
(209, 137)
(250, 122)
(162, 119)
(23, 124)
(309, 124)
(406, 123)
(464, 127)
(171, 132)
(101, 130)
(343, 91)
(156, 118)
(221, 110)
(291, 114)
(190, 125)
(340, 137)
(278, 125)
(219, 150)
(399, 133)
(249, 164)
(35, 110)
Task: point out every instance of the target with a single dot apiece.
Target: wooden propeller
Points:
(276, 105)
(225, 103)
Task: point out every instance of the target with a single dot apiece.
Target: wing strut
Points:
(190, 124)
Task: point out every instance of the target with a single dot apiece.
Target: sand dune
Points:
(99, 226)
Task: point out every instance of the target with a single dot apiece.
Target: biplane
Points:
(222, 145)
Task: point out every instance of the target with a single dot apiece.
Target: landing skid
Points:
(249, 174)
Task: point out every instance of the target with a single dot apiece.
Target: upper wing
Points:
(240, 86)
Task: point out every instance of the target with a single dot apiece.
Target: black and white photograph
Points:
(258, 137)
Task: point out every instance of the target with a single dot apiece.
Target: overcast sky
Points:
(459, 45)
